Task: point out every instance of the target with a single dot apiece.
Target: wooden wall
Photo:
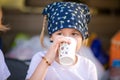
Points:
(104, 25)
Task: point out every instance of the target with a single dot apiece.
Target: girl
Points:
(4, 72)
(65, 19)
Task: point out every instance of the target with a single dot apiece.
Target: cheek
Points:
(52, 37)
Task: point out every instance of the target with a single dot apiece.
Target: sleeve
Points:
(33, 64)
(92, 72)
(4, 72)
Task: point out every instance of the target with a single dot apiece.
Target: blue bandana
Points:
(67, 15)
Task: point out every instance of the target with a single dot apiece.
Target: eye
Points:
(59, 33)
(75, 34)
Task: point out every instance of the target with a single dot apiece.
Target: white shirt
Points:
(4, 72)
(84, 69)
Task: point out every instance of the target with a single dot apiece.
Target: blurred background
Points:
(24, 19)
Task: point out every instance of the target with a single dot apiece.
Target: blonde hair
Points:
(85, 42)
(43, 32)
(2, 27)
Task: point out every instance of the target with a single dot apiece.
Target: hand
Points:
(52, 52)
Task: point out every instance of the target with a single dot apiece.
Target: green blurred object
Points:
(21, 37)
(12, 3)
(19, 5)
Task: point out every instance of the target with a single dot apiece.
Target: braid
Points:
(43, 32)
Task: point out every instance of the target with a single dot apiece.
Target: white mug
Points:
(67, 52)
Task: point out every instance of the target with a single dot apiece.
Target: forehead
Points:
(68, 29)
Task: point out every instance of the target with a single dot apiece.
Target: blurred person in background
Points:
(4, 72)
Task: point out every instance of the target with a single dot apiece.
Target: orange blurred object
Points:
(115, 49)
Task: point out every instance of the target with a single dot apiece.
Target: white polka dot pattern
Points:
(67, 15)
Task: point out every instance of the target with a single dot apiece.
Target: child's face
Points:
(69, 32)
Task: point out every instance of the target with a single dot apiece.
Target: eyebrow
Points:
(75, 30)
(59, 30)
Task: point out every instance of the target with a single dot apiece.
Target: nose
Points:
(66, 35)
